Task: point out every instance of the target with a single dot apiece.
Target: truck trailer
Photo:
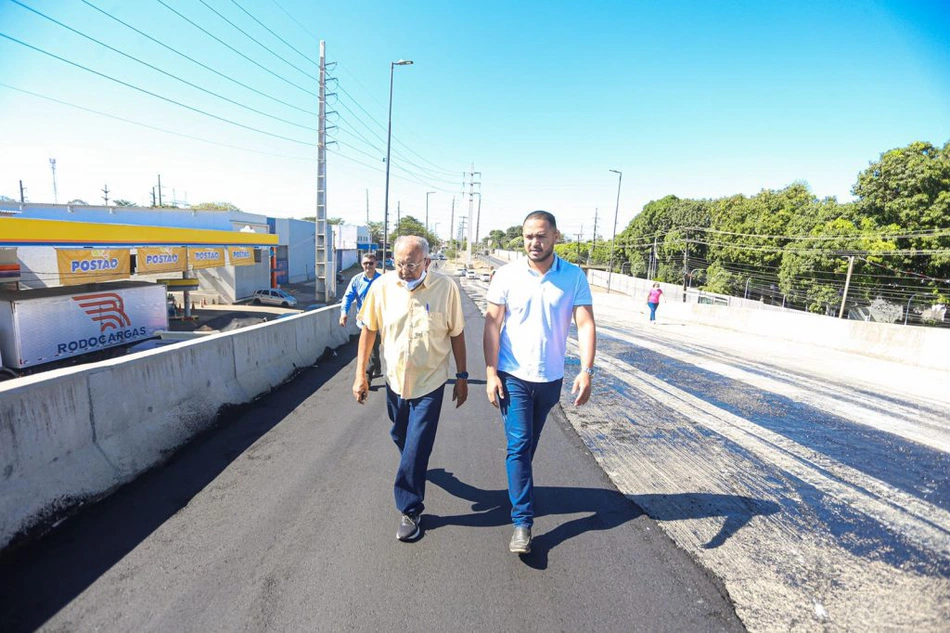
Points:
(46, 325)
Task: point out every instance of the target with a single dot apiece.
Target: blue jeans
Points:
(652, 310)
(414, 425)
(524, 408)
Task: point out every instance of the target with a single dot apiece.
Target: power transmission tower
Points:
(105, 192)
(452, 222)
(22, 194)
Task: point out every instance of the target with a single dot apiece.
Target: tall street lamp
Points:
(428, 193)
(613, 240)
(389, 138)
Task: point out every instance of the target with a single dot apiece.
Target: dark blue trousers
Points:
(414, 425)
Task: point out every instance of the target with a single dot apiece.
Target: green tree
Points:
(910, 187)
(124, 203)
(214, 206)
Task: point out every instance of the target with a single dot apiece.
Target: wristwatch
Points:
(589, 371)
(462, 375)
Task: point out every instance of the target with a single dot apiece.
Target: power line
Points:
(157, 69)
(152, 127)
(195, 61)
(253, 39)
(225, 44)
(152, 94)
(287, 44)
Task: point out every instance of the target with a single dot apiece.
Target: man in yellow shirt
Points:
(419, 315)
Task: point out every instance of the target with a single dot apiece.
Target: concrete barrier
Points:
(920, 346)
(76, 434)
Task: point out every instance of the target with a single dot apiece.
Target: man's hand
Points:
(460, 392)
(495, 389)
(361, 388)
(342, 320)
(581, 388)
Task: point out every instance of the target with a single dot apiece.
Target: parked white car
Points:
(274, 297)
(486, 277)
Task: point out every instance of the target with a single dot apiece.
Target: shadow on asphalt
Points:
(608, 509)
(40, 577)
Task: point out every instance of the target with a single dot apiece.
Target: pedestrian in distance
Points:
(356, 292)
(653, 300)
(419, 315)
(530, 306)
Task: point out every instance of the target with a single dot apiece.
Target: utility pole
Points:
(478, 218)
(398, 217)
(452, 223)
(105, 192)
(579, 237)
(593, 241)
(462, 220)
(159, 190)
(153, 196)
(52, 166)
(367, 207)
(847, 282)
(685, 265)
(471, 201)
(428, 193)
(324, 283)
(22, 196)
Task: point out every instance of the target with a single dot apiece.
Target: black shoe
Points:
(409, 527)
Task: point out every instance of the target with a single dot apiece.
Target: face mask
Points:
(411, 285)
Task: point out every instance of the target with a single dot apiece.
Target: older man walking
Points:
(418, 313)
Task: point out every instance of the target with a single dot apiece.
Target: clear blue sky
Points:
(696, 99)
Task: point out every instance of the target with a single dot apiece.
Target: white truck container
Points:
(52, 324)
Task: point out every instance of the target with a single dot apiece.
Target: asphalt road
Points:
(282, 518)
(815, 484)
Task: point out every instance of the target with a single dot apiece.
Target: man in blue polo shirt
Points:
(530, 306)
(356, 291)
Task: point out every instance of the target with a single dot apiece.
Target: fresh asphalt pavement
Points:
(281, 518)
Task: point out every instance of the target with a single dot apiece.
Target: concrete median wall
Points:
(76, 434)
(919, 346)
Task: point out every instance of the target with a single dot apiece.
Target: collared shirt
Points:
(416, 328)
(538, 311)
(356, 291)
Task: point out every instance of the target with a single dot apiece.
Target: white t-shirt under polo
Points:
(538, 311)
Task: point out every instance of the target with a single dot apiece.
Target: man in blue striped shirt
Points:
(356, 291)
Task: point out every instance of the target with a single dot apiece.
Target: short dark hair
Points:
(541, 215)
(369, 256)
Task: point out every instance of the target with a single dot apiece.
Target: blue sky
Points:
(696, 99)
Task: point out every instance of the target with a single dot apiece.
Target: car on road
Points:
(471, 274)
(485, 277)
(274, 297)
(460, 272)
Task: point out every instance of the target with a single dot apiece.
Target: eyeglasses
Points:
(410, 266)
(369, 263)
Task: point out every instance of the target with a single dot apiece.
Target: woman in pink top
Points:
(653, 300)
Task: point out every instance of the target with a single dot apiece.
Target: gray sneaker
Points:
(520, 541)
(408, 527)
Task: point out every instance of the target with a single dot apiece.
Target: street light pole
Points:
(613, 240)
(428, 193)
(389, 138)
